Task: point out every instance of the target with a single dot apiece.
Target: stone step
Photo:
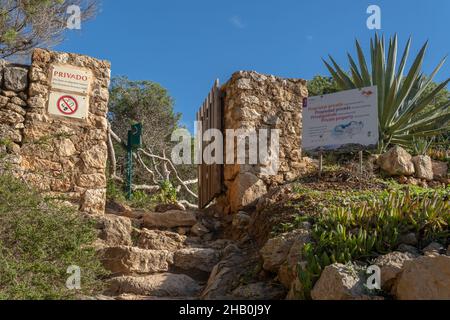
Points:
(169, 219)
(202, 259)
(156, 285)
(127, 260)
(160, 240)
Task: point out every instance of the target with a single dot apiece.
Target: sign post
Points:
(134, 142)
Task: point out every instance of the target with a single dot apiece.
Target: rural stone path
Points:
(163, 255)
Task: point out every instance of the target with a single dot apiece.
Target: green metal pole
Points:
(129, 173)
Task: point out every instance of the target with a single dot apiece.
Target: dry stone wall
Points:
(254, 101)
(61, 156)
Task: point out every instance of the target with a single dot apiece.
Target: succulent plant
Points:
(405, 102)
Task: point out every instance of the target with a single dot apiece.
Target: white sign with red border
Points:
(70, 87)
(68, 105)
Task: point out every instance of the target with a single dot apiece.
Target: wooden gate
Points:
(210, 177)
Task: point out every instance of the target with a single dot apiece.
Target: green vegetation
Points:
(141, 199)
(39, 240)
(411, 106)
(363, 230)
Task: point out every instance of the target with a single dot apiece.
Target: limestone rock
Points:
(65, 148)
(433, 248)
(160, 240)
(93, 201)
(296, 291)
(240, 224)
(408, 249)
(423, 167)
(339, 282)
(115, 230)
(169, 219)
(440, 169)
(15, 78)
(199, 229)
(259, 291)
(425, 278)
(126, 260)
(397, 162)
(162, 207)
(276, 250)
(391, 266)
(288, 271)
(158, 285)
(202, 259)
(96, 156)
(245, 190)
(225, 276)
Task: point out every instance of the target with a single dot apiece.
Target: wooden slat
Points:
(210, 177)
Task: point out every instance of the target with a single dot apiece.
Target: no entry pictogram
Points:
(67, 105)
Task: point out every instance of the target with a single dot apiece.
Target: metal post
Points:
(320, 164)
(129, 184)
(361, 163)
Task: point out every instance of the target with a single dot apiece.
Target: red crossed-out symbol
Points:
(68, 105)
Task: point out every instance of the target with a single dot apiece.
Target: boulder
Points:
(397, 162)
(433, 248)
(425, 278)
(224, 277)
(339, 282)
(259, 291)
(391, 266)
(276, 250)
(423, 167)
(296, 291)
(245, 190)
(202, 259)
(199, 230)
(160, 240)
(163, 207)
(240, 224)
(440, 169)
(169, 219)
(126, 260)
(115, 230)
(15, 78)
(408, 249)
(158, 285)
(288, 271)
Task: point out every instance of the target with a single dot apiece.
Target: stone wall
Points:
(63, 157)
(255, 101)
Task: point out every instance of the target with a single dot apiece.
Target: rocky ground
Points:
(183, 254)
(177, 254)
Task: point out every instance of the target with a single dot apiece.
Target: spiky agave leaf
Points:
(401, 98)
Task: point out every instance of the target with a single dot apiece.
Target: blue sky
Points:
(186, 45)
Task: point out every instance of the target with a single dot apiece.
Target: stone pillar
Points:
(256, 101)
(65, 157)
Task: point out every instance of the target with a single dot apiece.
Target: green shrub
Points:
(39, 240)
(362, 232)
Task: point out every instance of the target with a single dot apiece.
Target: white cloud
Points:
(236, 21)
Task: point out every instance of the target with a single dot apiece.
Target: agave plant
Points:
(403, 100)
